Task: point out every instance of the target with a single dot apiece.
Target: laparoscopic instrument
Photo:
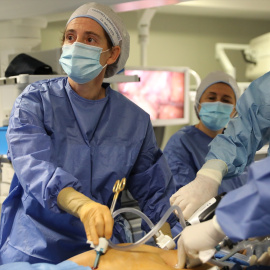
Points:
(204, 213)
(117, 188)
(163, 241)
(102, 246)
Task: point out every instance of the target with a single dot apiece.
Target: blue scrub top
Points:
(58, 139)
(245, 212)
(186, 151)
(248, 132)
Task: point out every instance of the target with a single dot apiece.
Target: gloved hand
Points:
(204, 187)
(96, 218)
(264, 258)
(261, 254)
(197, 240)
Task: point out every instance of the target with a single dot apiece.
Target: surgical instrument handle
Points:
(117, 188)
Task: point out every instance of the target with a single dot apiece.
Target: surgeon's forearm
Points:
(71, 200)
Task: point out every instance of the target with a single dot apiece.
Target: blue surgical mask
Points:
(81, 61)
(215, 115)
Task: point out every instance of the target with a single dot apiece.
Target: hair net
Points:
(113, 26)
(212, 78)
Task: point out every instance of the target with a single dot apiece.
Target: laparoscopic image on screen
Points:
(162, 93)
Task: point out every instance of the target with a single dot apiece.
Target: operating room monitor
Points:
(163, 92)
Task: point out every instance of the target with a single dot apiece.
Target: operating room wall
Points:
(180, 40)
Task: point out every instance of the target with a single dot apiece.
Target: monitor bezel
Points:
(185, 70)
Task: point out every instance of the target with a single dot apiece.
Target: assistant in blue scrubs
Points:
(187, 148)
(242, 213)
(245, 135)
(76, 134)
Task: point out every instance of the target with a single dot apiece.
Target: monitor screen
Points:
(163, 92)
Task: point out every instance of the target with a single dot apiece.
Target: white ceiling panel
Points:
(251, 9)
(245, 9)
(18, 9)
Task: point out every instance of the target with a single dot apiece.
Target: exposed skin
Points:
(140, 258)
(88, 31)
(216, 92)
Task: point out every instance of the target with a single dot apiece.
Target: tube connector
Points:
(102, 245)
(165, 241)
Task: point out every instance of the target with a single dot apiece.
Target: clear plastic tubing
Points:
(154, 229)
(240, 246)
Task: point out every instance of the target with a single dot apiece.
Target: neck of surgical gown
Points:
(87, 112)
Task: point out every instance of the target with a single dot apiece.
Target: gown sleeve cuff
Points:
(217, 226)
(215, 169)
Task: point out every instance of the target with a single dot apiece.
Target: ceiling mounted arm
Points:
(222, 57)
(143, 28)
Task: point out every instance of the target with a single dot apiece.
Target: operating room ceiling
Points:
(17, 9)
(242, 9)
(251, 9)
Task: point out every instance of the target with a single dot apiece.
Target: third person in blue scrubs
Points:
(186, 150)
(230, 153)
(242, 213)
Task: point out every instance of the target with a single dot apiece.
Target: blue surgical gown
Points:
(244, 213)
(66, 265)
(248, 132)
(186, 151)
(58, 139)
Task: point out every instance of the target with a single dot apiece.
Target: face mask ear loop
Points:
(107, 59)
(106, 50)
(235, 113)
(196, 107)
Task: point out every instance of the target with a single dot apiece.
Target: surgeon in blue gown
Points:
(244, 212)
(186, 150)
(231, 152)
(69, 140)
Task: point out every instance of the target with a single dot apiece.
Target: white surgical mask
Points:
(81, 62)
